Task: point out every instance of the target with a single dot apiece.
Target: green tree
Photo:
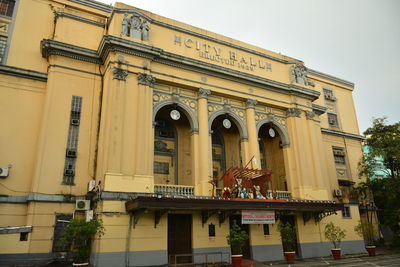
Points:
(383, 140)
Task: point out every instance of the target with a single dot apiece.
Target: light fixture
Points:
(175, 115)
(227, 123)
(271, 132)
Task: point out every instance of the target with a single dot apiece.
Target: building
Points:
(150, 113)
(379, 169)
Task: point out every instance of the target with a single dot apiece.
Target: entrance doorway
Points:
(245, 227)
(290, 219)
(179, 238)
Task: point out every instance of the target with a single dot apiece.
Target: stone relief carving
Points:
(298, 74)
(175, 97)
(146, 79)
(272, 117)
(310, 115)
(293, 112)
(135, 27)
(120, 74)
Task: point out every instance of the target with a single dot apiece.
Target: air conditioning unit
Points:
(71, 153)
(91, 185)
(337, 192)
(75, 122)
(4, 172)
(82, 204)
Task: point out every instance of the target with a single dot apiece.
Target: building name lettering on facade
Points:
(231, 58)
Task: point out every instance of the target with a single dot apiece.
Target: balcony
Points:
(279, 195)
(174, 190)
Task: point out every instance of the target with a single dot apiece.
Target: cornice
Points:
(85, 20)
(15, 229)
(23, 73)
(343, 134)
(50, 47)
(94, 4)
(319, 110)
(330, 78)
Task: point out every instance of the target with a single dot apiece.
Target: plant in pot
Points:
(366, 230)
(335, 234)
(236, 239)
(79, 233)
(289, 240)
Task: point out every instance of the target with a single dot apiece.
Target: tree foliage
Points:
(288, 236)
(383, 140)
(335, 234)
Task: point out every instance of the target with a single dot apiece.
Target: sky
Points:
(356, 40)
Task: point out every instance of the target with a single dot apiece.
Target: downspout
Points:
(128, 239)
(98, 123)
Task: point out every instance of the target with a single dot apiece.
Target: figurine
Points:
(244, 193)
(250, 193)
(258, 193)
(227, 193)
(239, 187)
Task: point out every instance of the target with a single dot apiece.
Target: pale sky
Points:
(356, 40)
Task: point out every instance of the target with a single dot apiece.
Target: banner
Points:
(258, 217)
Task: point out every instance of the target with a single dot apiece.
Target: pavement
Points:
(379, 260)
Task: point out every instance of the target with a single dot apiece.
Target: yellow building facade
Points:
(131, 115)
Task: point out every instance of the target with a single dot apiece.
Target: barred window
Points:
(62, 222)
(339, 155)
(7, 7)
(346, 211)
(161, 167)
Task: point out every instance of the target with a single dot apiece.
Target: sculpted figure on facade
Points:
(125, 26)
(145, 31)
(298, 74)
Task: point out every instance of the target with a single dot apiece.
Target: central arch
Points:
(235, 118)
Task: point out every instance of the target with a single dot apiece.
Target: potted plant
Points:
(79, 233)
(335, 234)
(236, 239)
(288, 236)
(366, 230)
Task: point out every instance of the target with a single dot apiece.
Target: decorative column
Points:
(144, 133)
(203, 187)
(254, 150)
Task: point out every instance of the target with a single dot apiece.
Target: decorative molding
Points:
(310, 115)
(85, 20)
(15, 229)
(330, 78)
(35, 197)
(343, 134)
(319, 110)
(204, 93)
(293, 112)
(135, 27)
(23, 73)
(251, 103)
(120, 74)
(73, 69)
(175, 97)
(94, 4)
(279, 125)
(227, 107)
(116, 44)
(146, 79)
(50, 47)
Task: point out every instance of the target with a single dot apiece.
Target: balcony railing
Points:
(174, 190)
(279, 195)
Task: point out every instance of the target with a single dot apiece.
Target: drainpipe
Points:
(128, 238)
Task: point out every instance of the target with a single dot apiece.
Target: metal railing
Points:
(200, 259)
(174, 190)
(279, 195)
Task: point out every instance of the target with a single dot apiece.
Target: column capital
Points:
(119, 74)
(146, 79)
(204, 93)
(251, 103)
(310, 115)
(293, 112)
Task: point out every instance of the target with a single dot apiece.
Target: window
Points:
(23, 236)
(346, 211)
(3, 45)
(339, 155)
(72, 141)
(328, 94)
(333, 120)
(161, 167)
(7, 7)
(62, 222)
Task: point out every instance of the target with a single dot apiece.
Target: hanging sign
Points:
(258, 217)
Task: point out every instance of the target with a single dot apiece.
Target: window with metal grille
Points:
(339, 155)
(161, 167)
(346, 211)
(3, 45)
(7, 7)
(62, 222)
(71, 152)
